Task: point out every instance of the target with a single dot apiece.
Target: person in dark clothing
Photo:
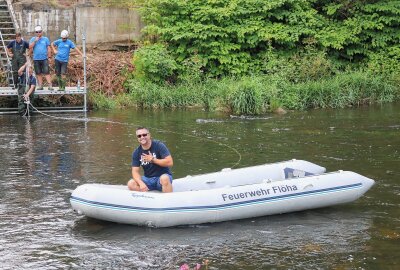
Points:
(26, 88)
(17, 51)
(155, 159)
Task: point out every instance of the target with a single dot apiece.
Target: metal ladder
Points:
(8, 28)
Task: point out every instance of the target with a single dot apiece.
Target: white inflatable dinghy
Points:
(230, 194)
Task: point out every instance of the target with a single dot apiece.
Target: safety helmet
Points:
(64, 33)
(38, 28)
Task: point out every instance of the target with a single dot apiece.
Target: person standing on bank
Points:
(17, 51)
(41, 53)
(155, 159)
(64, 45)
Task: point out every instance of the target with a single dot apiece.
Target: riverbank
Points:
(255, 94)
(112, 85)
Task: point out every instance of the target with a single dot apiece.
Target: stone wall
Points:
(101, 25)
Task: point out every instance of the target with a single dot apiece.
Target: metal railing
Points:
(12, 15)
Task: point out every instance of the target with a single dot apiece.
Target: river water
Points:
(43, 159)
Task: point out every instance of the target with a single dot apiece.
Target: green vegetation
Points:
(239, 36)
(253, 56)
(258, 94)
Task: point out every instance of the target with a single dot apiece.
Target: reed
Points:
(257, 94)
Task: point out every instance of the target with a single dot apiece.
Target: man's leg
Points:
(46, 72)
(38, 70)
(21, 103)
(63, 71)
(165, 182)
(40, 81)
(21, 60)
(57, 67)
(132, 185)
(14, 67)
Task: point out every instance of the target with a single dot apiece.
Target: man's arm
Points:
(138, 179)
(9, 49)
(53, 48)
(165, 162)
(48, 51)
(32, 43)
(22, 68)
(79, 51)
(27, 94)
(10, 54)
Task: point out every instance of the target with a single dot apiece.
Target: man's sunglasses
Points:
(142, 135)
(37, 32)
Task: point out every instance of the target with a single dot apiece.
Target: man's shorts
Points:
(41, 66)
(153, 183)
(61, 67)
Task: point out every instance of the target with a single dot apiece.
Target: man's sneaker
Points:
(51, 88)
(39, 88)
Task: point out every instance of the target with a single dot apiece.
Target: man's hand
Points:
(147, 157)
(143, 187)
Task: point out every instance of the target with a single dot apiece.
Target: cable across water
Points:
(128, 124)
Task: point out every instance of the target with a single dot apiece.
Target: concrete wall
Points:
(107, 24)
(52, 21)
(101, 25)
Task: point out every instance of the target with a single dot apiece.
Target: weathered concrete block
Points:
(101, 25)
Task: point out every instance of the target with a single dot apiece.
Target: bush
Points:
(154, 63)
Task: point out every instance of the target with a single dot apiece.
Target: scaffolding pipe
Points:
(84, 72)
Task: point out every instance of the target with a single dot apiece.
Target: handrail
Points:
(12, 14)
(8, 68)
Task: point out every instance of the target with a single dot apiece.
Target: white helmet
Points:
(38, 28)
(64, 33)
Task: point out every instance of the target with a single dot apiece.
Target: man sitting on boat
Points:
(155, 159)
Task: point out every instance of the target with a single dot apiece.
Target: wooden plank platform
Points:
(8, 91)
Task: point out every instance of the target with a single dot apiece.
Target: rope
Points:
(125, 124)
(58, 117)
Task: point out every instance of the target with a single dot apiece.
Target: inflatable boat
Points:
(229, 194)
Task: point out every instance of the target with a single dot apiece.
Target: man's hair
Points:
(143, 128)
(17, 34)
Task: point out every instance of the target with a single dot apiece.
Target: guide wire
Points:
(152, 128)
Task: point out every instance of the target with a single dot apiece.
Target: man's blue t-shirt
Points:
(40, 48)
(31, 80)
(63, 48)
(159, 151)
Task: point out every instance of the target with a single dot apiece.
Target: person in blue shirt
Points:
(64, 46)
(155, 159)
(41, 53)
(17, 51)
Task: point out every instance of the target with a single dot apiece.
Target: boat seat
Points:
(295, 173)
